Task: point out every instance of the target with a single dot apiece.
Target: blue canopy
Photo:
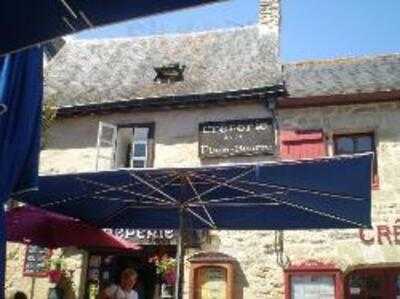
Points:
(21, 88)
(27, 22)
(312, 194)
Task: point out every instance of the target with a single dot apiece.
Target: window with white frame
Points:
(139, 156)
(125, 145)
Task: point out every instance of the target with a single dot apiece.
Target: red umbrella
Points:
(35, 226)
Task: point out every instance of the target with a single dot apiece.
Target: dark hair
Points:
(20, 295)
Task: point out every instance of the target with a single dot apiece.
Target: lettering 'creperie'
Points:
(381, 234)
(144, 235)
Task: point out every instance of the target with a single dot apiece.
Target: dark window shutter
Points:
(302, 144)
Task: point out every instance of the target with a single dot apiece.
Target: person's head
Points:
(128, 278)
(20, 295)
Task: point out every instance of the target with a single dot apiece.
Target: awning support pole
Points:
(180, 256)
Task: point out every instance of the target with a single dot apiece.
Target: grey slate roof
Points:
(343, 76)
(103, 71)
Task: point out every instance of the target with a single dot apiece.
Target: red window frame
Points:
(314, 268)
(375, 178)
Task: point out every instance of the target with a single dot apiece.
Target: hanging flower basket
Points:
(56, 266)
(166, 271)
(165, 268)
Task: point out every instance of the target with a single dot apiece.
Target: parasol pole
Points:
(180, 256)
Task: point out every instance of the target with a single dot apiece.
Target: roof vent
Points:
(169, 73)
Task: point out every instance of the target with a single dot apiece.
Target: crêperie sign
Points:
(157, 236)
(236, 138)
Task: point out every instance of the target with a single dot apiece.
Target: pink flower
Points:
(54, 276)
(170, 277)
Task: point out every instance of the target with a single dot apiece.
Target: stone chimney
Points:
(270, 15)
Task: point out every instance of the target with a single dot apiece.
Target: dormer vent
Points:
(170, 73)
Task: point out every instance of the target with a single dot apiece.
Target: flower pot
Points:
(167, 290)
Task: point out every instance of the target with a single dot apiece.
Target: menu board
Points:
(309, 287)
(213, 283)
(36, 261)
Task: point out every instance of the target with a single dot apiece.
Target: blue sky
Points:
(311, 29)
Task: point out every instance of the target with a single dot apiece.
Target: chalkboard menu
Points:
(236, 138)
(36, 261)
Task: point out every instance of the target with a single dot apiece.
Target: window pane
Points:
(140, 134)
(356, 143)
(364, 144)
(139, 150)
(344, 145)
(138, 164)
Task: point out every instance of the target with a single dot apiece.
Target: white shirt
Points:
(116, 292)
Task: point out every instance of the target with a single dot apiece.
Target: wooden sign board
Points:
(237, 138)
(36, 261)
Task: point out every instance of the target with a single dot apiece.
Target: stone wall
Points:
(38, 287)
(72, 141)
(72, 149)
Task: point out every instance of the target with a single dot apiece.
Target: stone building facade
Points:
(234, 75)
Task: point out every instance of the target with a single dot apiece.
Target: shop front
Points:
(313, 279)
(373, 283)
(158, 251)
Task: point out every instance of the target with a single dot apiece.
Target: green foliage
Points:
(163, 264)
(57, 263)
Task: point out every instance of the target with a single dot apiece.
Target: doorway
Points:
(373, 283)
(105, 267)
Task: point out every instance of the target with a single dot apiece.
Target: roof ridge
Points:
(342, 60)
(165, 35)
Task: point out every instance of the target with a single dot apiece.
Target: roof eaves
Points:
(172, 101)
